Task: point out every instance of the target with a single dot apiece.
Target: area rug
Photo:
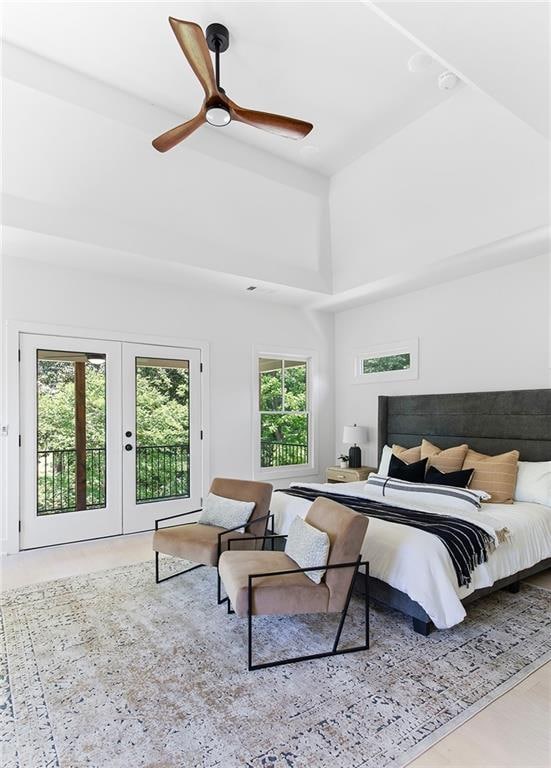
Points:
(111, 670)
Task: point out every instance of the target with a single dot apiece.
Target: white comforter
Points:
(417, 563)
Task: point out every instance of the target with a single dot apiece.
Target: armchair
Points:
(261, 583)
(203, 544)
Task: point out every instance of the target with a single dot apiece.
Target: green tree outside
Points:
(283, 429)
(387, 363)
(162, 419)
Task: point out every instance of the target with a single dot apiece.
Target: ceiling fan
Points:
(217, 108)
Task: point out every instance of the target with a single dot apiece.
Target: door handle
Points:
(128, 447)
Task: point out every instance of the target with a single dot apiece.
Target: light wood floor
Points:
(512, 732)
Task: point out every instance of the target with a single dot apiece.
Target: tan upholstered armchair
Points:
(261, 583)
(203, 544)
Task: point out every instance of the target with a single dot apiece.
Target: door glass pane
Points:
(71, 418)
(162, 429)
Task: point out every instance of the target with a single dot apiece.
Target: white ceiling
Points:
(336, 64)
(89, 83)
(502, 47)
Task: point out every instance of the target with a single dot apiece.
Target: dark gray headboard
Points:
(490, 422)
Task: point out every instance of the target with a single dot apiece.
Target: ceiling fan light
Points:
(218, 116)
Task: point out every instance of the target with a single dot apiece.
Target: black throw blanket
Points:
(467, 543)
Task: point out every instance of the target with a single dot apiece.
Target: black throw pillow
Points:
(460, 479)
(414, 473)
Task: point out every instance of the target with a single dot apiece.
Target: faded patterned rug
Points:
(111, 670)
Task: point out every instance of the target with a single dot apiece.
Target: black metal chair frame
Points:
(335, 650)
(222, 533)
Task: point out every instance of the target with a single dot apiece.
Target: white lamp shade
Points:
(354, 435)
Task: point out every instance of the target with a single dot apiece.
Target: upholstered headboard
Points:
(490, 422)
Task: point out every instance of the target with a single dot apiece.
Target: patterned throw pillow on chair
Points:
(308, 547)
(226, 513)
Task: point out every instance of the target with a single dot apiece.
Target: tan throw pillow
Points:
(447, 460)
(497, 475)
(409, 455)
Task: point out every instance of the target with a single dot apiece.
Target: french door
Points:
(110, 437)
(162, 433)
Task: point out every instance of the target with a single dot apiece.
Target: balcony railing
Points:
(57, 480)
(162, 472)
(273, 454)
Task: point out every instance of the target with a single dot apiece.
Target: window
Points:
(387, 362)
(284, 417)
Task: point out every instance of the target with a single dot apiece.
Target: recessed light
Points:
(420, 62)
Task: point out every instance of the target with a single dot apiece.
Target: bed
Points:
(410, 570)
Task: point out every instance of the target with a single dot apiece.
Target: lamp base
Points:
(354, 457)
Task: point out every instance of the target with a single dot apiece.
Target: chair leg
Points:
(334, 651)
(345, 609)
(219, 597)
(172, 575)
(250, 639)
(367, 605)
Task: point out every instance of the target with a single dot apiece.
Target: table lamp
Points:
(354, 435)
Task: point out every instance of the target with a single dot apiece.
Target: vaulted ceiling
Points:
(378, 197)
(336, 65)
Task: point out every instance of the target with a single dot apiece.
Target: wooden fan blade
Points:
(169, 139)
(193, 44)
(289, 127)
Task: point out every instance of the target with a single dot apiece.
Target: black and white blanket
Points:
(467, 543)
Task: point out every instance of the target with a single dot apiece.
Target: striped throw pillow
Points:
(497, 475)
(447, 460)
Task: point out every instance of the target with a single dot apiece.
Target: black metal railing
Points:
(273, 454)
(162, 472)
(57, 480)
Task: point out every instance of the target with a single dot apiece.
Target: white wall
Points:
(465, 174)
(483, 332)
(48, 294)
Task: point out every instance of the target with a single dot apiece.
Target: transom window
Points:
(387, 362)
(284, 412)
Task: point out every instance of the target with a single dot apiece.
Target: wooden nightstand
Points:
(338, 475)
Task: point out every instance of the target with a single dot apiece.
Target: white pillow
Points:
(226, 513)
(534, 482)
(307, 547)
(385, 461)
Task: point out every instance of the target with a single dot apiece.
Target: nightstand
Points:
(338, 475)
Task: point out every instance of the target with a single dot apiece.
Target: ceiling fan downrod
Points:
(218, 41)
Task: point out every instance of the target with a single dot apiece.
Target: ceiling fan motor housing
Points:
(218, 38)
